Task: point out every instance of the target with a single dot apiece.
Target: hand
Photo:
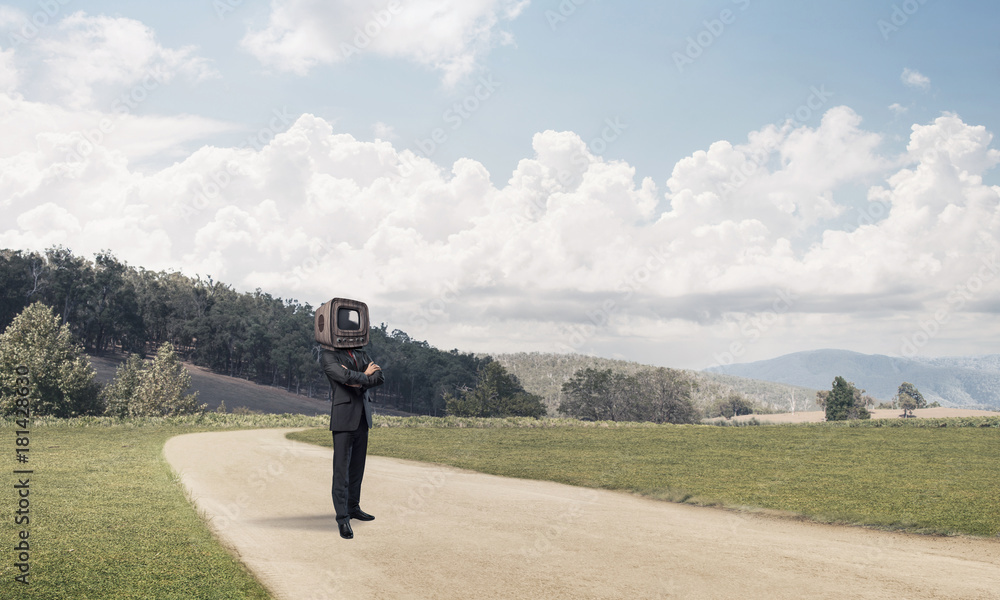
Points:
(372, 367)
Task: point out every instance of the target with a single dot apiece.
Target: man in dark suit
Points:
(351, 373)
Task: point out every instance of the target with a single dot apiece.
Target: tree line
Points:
(110, 306)
(659, 394)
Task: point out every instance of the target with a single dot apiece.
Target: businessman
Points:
(351, 373)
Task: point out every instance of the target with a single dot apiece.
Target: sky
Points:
(684, 184)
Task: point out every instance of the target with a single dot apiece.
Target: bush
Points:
(61, 378)
(733, 405)
(118, 394)
(157, 389)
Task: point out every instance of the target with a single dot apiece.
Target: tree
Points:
(907, 403)
(61, 378)
(909, 399)
(588, 395)
(68, 280)
(21, 278)
(497, 394)
(733, 405)
(112, 310)
(160, 387)
(843, 401)
(118, 394)
(660, 395)
(863, 402)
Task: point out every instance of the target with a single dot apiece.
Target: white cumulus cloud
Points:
(915, 79)
(85, 61)
(446, 35)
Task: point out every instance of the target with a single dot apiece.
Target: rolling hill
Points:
(213, 389)
(544, 374)
(961, 381)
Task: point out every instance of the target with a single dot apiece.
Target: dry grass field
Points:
(213, 389)
(819, 416)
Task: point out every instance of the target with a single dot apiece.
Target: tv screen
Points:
(348, 319)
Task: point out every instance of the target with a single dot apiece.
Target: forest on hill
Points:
(112, 307)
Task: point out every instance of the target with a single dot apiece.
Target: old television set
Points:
(342, 323)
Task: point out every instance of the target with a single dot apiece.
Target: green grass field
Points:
(919, 479)
(109, 520)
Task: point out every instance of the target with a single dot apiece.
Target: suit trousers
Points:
(350, 448)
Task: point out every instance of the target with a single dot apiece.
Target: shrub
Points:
(61, 378)
(119, 393)
(157, 389)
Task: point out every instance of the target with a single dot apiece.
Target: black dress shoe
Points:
(345, 530)
(361, 515)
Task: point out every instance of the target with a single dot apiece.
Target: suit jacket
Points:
(349, 403)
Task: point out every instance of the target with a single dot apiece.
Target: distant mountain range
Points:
(959, 381)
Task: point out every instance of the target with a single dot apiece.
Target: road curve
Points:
(446, 533)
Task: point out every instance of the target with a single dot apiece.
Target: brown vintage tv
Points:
(342, 323)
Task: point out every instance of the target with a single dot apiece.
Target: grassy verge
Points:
(108, 518)
(940, 479)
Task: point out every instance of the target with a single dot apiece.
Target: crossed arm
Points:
(370, 377)
(369, 371)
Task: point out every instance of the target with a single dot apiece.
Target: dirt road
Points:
(445, 533)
